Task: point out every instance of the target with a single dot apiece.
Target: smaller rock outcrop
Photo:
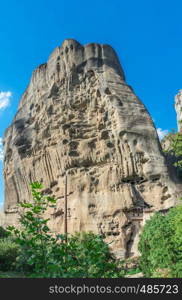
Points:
(178, 108)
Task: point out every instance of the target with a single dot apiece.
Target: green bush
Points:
(34, 237)
(175, 148)
(8, 254)
(3, 233)
(45, 255)
(86, 255)
(160, 244)
(174, 218)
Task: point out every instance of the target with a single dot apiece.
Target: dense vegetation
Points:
(174, 148)
(35, 252)
(161, 245)
(8, 254)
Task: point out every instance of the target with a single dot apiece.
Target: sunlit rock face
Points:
(178, 108)
(78, 116)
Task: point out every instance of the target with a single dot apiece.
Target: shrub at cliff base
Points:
(45, 255)
(174, 150)
(9, 251)
(160, 245)
(3, 232)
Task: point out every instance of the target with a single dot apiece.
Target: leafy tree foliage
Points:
(43, 254)
(3, 232)
(160, 244)
(9, 251)
(175, 147)
(34, 237)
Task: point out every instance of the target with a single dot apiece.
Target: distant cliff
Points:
(178, 108)
(79, 117)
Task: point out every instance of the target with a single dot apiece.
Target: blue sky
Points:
(147, 35)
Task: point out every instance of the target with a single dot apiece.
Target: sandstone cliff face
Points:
(2, 219)
(78, 116)
(178, 108)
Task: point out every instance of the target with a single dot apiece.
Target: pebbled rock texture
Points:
(78, 116)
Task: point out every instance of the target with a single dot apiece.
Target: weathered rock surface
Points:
(79, 116)
(2, 218)
(178, 108)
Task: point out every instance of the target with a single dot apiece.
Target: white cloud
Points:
(1, 149)
(162, 133)
(5, 99)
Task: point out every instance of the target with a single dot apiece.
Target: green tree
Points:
(9, 251)
(43, 254)
(174, 219)
(160, 244)
(34, 236)
(155, 245)
(175, 147)
(3, 232)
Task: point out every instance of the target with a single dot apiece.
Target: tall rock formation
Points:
(178, 108)
(79, 117)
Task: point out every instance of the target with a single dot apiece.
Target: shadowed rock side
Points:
(79, 116)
